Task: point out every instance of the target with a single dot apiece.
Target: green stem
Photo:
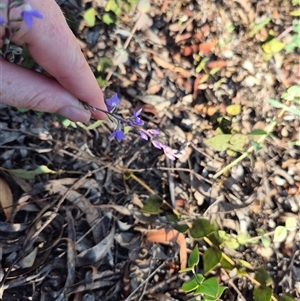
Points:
(269, 129)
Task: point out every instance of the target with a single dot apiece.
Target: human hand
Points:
(53, 46)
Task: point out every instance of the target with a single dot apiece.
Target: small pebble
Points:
(199, 198)
(272, 224)
(284, 132)
(187, 100)
(279, 181)
(248, 66)
(204, 173)
(294, 205)
(238, 172)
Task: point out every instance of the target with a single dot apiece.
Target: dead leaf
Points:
(205, 109)
(6, 199)
(166, 65)
(97, 252)
(217, 64)
(208, 47)
(153, 89)
(189, 50)
(182, 37)
(167, 236)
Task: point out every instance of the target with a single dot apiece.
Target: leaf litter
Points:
(75, 230)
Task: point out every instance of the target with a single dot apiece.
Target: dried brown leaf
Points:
(166, 65)
(6, 199)
(170, 235)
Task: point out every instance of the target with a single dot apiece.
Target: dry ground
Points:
(83, 225)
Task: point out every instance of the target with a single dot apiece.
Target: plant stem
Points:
(269, 129)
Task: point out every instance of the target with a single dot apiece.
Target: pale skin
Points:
(54, 47)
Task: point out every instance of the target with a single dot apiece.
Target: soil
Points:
(80, 219)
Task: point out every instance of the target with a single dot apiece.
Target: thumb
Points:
(24, 88)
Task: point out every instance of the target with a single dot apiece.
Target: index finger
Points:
(54, 47)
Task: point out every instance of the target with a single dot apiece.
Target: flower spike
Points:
(136, 118)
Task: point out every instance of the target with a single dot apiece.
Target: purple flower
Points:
(153, 131)
(1, 21)
(112, 102)
(170, 153)
(118, 134)
(144, 135)
(157, 144)
(28, 14)
(136, 118)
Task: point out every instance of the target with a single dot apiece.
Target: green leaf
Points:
(280, 234)
(23, 110)
(221, 291)
(276, 104)
(265, 241)
(111, 5)
(89, 17)
(152, 205)
(286, 298)
(295, 13)
(291, 224)
(262, 294)
(273, 46)
(108, 18)
(243, 238)
(219, 143)
(194, 257)
(238, 142)
(104, 63)
(209, 288)
(211, 258)
(201, 228)
(245, 264)
(214, 71)
(233, 110)
(182, 228)
(192, 284)
(257, 146)
(102, 82)
(293, 92)
(255, 28)
(263, 277)
(226, 264)
(30, 174)
(258, 133)
(94, 125)
(231, 243)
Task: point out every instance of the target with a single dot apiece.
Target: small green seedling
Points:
(208, 288)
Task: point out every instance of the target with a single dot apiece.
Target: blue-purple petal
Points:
(144, 136)
(137, 119)
(153, 131)
(28, 14)
(118, 134)
(112, 102)
(157, 144)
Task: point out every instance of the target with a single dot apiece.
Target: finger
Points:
(24, 88)
(54, 47)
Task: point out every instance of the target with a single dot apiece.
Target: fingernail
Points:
(75, 114)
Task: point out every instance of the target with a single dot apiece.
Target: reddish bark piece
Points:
(170, 235)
